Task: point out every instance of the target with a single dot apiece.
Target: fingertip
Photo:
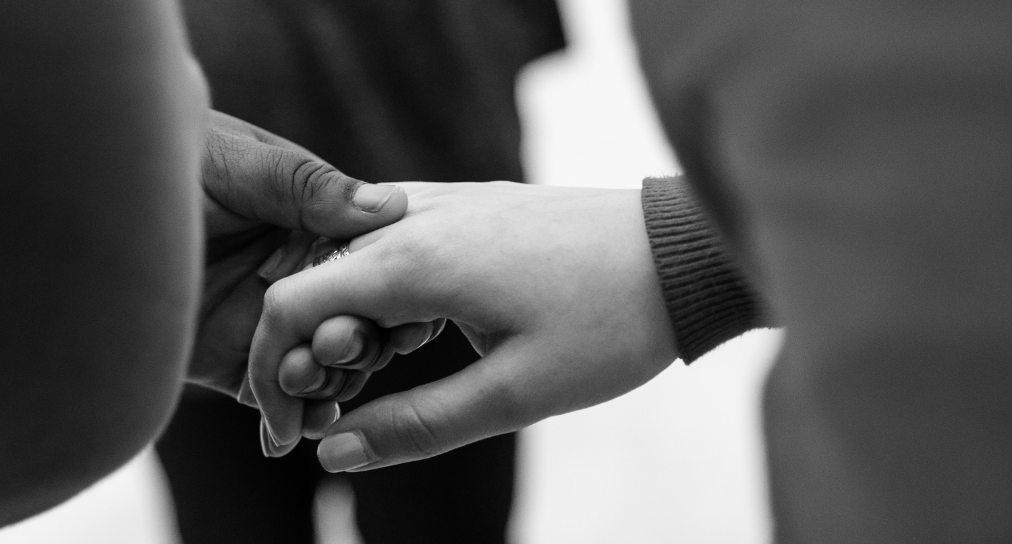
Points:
(265, 440)
(345, 207)
(397, 204)
(371, 198)
(283, 422)
(271, 445)
(342, 452)
(406, 338)
(245, 395)
(319, 416)
(342, 339)
(381, 205)
(299, 374)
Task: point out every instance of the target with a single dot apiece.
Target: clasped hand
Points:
(262, 193)
(555, 288)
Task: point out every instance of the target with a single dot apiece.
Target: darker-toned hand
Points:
(262, 191)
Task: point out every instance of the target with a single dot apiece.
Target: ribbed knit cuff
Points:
(706, 294)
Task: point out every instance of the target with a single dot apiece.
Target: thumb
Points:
(261, 176)
(478, 402)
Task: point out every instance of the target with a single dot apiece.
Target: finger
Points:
(299, 373)
(480, 401)
(353, 385)
(337, 381)
(270, 445)
(294, 307)
(319, 415)
(350, 342)
(245, 395)
(407, 338)
(277, 182)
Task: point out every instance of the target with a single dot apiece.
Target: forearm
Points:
(102, 113)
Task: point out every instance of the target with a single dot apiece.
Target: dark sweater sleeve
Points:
(706, 293)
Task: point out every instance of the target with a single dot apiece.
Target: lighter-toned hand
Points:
(554, 287)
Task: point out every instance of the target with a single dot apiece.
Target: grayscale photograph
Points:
(506, 272)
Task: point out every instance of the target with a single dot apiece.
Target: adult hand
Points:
(554, 287)
(261, 191)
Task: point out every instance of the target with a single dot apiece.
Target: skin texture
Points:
(555, 288)
(103, 112)
(267, 197)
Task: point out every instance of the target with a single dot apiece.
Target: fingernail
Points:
(265, 439)
(337, 412)
(342, 452)
(246, 396)
(266, 270)
(354, 350)
(370, 198)
(270, 444)
(318, 381)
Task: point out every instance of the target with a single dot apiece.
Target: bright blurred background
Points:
(678, 460)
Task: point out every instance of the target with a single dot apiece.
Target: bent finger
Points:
(349, 342)
(270, 445)
(353, 385)
(299, 373)
(318, 416)
(405, 339)
(295, 306)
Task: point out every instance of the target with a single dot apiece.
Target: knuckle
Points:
(411, 430)
(415, 249)
(319, 187)
(275, 309)
(297, 179)
(300, 180)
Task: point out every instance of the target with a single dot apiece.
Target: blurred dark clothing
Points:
(392, 90)
(855, 156)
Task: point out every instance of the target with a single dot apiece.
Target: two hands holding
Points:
(555, 288)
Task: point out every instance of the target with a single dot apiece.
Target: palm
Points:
(233, 296)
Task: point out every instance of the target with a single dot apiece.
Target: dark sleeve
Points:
(102, 110)
(707, 296)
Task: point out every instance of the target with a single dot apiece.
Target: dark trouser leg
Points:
(461, 496)
(225, 490)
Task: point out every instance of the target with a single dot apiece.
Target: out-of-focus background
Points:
(678, 460)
